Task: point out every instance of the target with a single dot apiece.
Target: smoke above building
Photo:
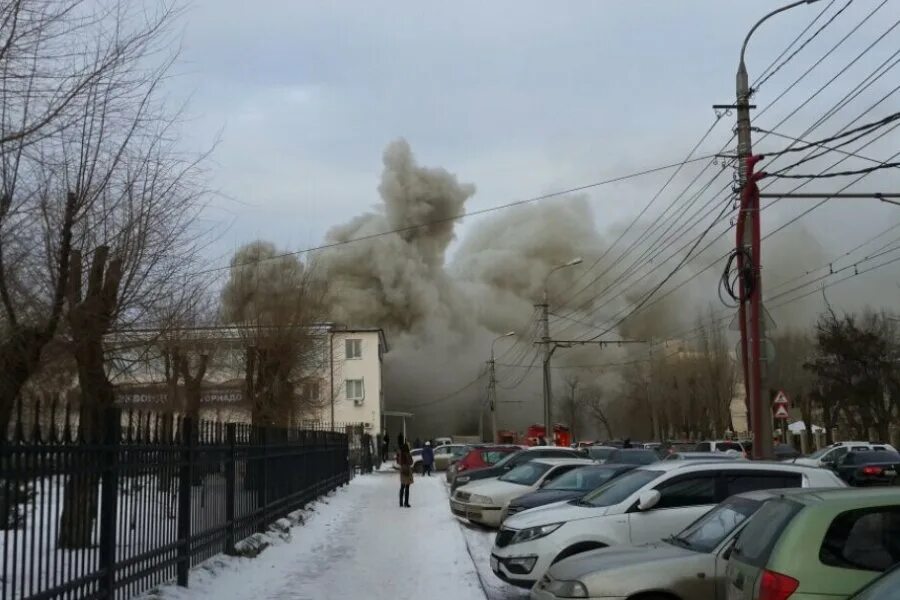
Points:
(441, 310)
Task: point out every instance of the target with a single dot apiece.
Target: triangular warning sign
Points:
(780, 398)
(781, 412)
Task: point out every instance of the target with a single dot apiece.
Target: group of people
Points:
(405, 462)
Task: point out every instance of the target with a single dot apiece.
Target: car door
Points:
(441, 457)
(683, 499)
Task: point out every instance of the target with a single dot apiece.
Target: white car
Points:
(486, 501)
(639, 507)
(830, 455)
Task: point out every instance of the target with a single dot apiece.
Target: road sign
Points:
(781, 399)
(781, 412)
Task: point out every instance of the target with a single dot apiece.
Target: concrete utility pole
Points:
(548, 348)
(492, 386)
(749, 240)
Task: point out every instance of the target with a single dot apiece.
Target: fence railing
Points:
(114, 509)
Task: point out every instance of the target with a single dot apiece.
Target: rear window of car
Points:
(751, 481)
(866, 539)
(600, 453)
(756, 541)
(726, 446)
(492, 457)
(702, 447)
(867, 456)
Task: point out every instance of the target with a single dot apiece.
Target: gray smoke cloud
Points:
(441, 312)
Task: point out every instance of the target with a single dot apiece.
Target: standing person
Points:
(385, 446)
(542, 441)
(400, 441)
(427, 458)
(404, 459)
(627, 443)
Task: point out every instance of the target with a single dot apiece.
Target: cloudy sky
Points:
(521, 98)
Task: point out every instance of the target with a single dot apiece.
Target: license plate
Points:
(495, 565)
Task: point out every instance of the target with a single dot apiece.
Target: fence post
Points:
(231, 433)
(263, 483)
(184, 502)
(109, 500)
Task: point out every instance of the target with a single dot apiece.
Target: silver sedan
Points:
(690, 565)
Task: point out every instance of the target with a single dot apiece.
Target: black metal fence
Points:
(116, 513)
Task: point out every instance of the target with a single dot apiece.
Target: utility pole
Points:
(751, 317)
(548, 349)
(492, 386)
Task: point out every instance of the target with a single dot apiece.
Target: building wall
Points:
(366, 368)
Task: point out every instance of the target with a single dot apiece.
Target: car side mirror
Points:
(648, 499)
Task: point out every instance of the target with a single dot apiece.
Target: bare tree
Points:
(592, 402)
(59, 62)
(277, 302)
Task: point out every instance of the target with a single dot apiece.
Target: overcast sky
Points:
(518, 97)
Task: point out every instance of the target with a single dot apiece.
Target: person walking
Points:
(427, 459)
(385, 446)
(404, 459)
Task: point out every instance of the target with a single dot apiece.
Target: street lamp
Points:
(492, 385)
(548, 350)
(749, 223)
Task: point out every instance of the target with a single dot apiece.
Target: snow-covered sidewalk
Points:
(358, 544)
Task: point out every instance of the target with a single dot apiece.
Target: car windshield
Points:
(620, 488)
(820, 452)
(507, 458)
(707, 532)
(526, 474)
(584, 479)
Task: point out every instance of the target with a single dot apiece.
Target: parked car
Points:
(479, 457)
(444, 455)
(721, 446)
(485, 502)
(600, 453)
(689, 565)
(868, 467)
(886, 587)
(512, 461)
(704, 456)
(641, 506)
(681, 446)
(574, 484)
(633, 456)
(442, 441)
(816, 544)
(831, 454)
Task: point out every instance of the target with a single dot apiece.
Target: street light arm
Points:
(768, 16)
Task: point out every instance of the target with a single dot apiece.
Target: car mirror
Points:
(648, 499)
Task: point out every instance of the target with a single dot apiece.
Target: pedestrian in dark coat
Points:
(427, 459)
(404, 459)
(385, 447)
(400, 441)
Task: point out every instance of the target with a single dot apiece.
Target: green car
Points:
(886, 587)
(816, 545)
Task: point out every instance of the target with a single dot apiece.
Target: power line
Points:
(461, 216)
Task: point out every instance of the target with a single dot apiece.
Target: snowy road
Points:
(360, 546)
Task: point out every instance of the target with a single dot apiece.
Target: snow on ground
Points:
(480, 541)
(358, 544)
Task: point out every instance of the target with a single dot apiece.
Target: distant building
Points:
(339, 382)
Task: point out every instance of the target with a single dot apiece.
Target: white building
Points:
(343, 386)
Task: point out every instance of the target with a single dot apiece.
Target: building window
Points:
(355, 390)
(311, 390)
(353, 348)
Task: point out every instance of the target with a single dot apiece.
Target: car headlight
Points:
(476, 499)
(567, 589)
(533, 533)
(462, 478)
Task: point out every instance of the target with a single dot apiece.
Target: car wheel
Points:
(578, 549)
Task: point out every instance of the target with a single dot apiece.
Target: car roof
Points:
(536, 448)
(711, 465)
(564, 461)
(845, 496)
(710, 455)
